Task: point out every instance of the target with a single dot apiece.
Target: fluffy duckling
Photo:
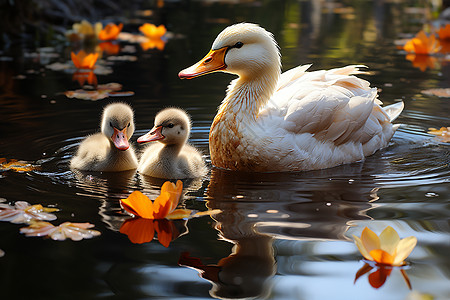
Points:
(171, 158)
(109, 149)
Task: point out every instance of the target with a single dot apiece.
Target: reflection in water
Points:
(140, 230)
(381, 272)
(258, 207)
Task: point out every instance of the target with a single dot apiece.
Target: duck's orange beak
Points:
(153, 135)
(213, 61)
(120, 139)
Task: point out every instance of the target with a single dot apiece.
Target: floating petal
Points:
(74, 231)
(139, 205)
(23, 212)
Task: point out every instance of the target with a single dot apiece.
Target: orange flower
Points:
(444, 32)
(140, 205)
(110, 32)
(140, 230)
(153, 32)
(422, 44)
(386, 249)
(82, 60)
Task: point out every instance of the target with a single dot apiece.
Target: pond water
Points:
(278, 236)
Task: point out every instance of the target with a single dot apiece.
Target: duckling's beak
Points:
(213, 61)
(153, 135)
(120, 139)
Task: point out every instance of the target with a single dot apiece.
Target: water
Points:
(279, 236)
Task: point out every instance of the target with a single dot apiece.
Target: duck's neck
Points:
(172, 150)
(245, 97)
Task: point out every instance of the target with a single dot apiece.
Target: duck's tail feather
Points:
(394, 110)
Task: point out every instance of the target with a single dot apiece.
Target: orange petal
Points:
(75, 60)
(370, 240)
(381, 257)
(139, 205)
(167, 201)
(139, 230)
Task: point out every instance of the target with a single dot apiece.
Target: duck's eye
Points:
(170, 125)
(238, 45)
(110, 124)
(128, 125)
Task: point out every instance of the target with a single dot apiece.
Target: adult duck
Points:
(293, 121)
(172, 157)
(109, 150)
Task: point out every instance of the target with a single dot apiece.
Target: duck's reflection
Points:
(256, 208)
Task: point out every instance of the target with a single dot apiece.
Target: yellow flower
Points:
(110, 32)
(386, 249)
(422, 44)
(153, 32)
(444, 32)
(82, 60)
(87, 29)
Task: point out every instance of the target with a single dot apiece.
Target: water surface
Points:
(280, 235)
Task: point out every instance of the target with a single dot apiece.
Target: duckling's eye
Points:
(238, 45)
(128, 125)
(170, 125)
(110, 124)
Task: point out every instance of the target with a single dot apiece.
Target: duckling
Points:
(171, 158)
(109, 150)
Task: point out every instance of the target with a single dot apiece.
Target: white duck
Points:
(171, 158)
(293, 121)
(109, 149)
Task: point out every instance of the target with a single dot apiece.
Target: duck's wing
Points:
(333, 105)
